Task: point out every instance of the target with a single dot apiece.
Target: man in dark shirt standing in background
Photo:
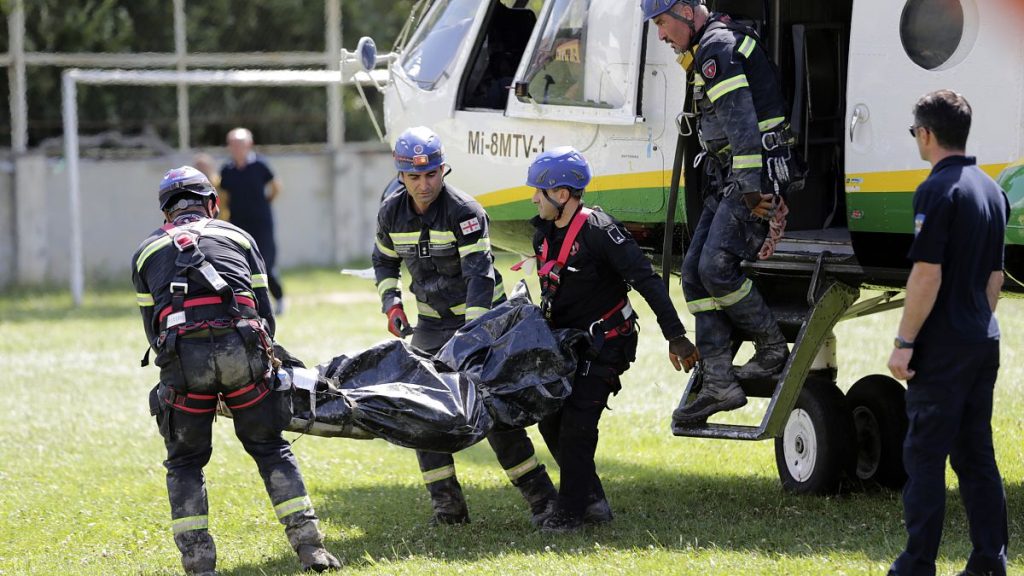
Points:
(947, 346)
(251, 187)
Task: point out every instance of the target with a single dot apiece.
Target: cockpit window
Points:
(559, 72)
(431, 52)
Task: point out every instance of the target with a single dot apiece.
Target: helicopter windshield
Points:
(432, 49)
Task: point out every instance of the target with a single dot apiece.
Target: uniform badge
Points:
(918, 223)
(709, 69)
(616, 235)
(470, 226)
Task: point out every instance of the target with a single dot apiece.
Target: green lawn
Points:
(82, 485)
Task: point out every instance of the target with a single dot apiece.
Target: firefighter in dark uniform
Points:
(947, 345)
(587, 262)
(748, 159)
(202, 288)
(441, 235)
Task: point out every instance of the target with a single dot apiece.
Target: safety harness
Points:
(224, 311)
(616, 322)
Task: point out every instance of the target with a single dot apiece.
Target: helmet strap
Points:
(212, 207)
(689, 23)
(558, 206)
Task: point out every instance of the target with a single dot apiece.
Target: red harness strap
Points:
(191, 403)
(246, 396)
(624, 327)
(570, 238)
(207, 301)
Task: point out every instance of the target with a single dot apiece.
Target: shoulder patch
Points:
(616, 235)
(918, 223)
(470, 226)
(709, 68)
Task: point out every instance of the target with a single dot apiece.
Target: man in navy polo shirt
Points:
(251, 187)
(947, 347)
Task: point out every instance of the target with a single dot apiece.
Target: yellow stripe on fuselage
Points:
(891, 181)
(656, 179)
(900, 180)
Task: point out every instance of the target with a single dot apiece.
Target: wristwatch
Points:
(902, 344)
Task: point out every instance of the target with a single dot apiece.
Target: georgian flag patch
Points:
(918, 223)
(470, 226)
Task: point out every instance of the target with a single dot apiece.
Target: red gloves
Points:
(398, 324)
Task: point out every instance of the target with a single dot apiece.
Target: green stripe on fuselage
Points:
(880, 212)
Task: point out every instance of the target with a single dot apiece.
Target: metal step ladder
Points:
(821, 315)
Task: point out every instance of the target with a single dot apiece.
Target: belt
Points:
(204, 308)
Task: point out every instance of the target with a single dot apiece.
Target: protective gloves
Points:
(760, 205)
(682, 353)
(398, 323)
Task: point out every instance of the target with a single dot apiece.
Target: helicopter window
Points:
(933, 32)
(432, 50)
(495, 62)
(558, 65)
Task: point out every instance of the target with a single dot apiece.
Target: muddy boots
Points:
(448, 502)
(719, 392)
(198, 552)
(540, 494)
(308, 543)
(770, 355)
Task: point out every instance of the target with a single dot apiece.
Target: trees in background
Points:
(277, 115)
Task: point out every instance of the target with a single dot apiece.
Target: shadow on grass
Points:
(654, 509)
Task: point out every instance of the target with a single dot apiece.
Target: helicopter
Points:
(500, 81)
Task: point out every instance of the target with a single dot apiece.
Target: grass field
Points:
(82, 485)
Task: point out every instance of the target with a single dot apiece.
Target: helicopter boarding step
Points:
(815, 328)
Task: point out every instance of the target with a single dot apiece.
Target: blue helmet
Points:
(184, 180)
(562, 166)
(653, 8)
(418, 149)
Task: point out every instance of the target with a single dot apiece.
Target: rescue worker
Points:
(441, 234)
(947, 344)
(201, 285)
(587, 262)
(748, 160)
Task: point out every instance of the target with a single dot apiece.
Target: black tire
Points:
(879, 407)
(817, 444)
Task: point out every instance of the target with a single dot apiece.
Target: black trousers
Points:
(571, 434)
(949, 407)
(513, 448)
(217, 366)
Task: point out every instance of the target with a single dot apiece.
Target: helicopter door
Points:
(898, 52)
(581, 64)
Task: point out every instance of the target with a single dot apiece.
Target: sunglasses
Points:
(914, 128)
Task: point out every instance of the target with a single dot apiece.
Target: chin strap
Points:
(689, 23)
(559, 207)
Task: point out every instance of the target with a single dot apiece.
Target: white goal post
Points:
(71, 78)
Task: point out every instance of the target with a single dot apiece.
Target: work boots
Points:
(770, 355)
(308, 544)
(598, 511)
(198, 552)
(561, 521)
(541, 495)
(720, 392)
(448, 502)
